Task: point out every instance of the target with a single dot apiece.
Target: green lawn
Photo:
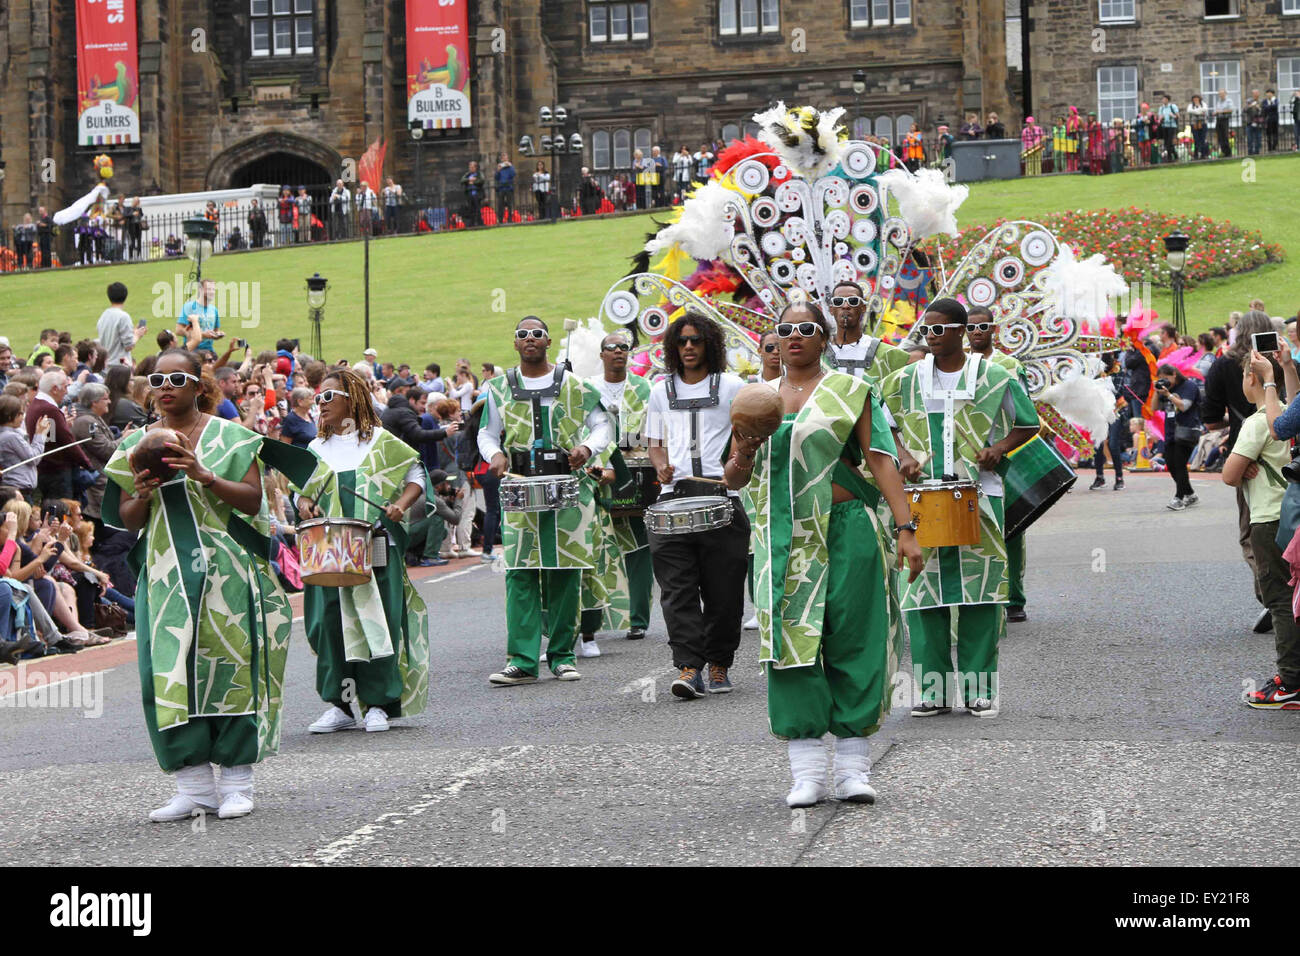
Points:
(438, 297)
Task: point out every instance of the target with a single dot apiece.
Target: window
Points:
(748, 16)
(622, 149)
(1215, 9)
(1290, 7)
(280, 27)
(879, 13)
(904, 126)
(861, 127)
(751, 129)
(613, 22)
(771, 16)
(859, 13)
(1117, 93)
(727, 17)
(1288, 81)
(885, 127)
(729, 132)
(1221, 75)
(641, 141)
(1117, 11)
(600, 150)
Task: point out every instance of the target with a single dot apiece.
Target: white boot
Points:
(195, 790)
(808, 768)
(236, 788)
(853, 769)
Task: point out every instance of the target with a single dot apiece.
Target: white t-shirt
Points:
(116, 334)
(489, 434)
(664, 424)
(346, 453)
(464, 394)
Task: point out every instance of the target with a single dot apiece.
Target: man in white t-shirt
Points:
(115, 332)
(701, 575)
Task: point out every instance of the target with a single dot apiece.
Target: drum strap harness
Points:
(949, 396)
(693, 405)
(852, 365)
(535, 396)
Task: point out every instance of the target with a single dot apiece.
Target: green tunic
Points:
(791, 491)
(974, 574)
(212, 618)
(385, 616)
(562, 539)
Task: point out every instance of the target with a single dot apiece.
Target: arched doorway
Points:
(282, 169)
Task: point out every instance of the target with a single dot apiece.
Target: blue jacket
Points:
(505, 178)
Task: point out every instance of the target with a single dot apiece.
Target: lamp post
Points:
(859, 87)
(199, 233)
(317, 287)
(1176, 258)
(553, 118)
(417, 135)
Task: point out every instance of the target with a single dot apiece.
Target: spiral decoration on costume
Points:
(751, 176)
(981, 291)
(864, 230)
(864, 260)
(795, 231)
(891, 265)
(807, 277)
(858, 160)
(621, 307)
(838, 224)
(782, 270)
(788, 196)
(864, 200)
(1008, 272)
(653, 321)
(773, 243)
(1017, 336)
(843, 271)
(895, 232)
(765, 211)
(832, 191)
(841, 250)
(1037, 247)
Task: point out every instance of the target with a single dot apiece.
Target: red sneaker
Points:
(1274, 696)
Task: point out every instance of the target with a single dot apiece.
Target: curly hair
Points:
(715, 351)
(207, 398)
(363, 411)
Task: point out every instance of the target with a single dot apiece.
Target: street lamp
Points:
(1176, 258)
(555, 144)
(317, 287)
(859, 87)
(417, 134)
(199, 233)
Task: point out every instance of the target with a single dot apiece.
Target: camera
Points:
(1161, 385)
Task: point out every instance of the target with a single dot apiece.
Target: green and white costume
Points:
(371, 640)
(868, 357)
(828, 618)
(1016, 545)
(213, 621)
(545, 552)
(945, 428)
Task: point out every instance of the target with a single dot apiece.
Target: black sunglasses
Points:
(617, 347)
(527, 334)
(770, 347)
(852, 301)
(690, 340)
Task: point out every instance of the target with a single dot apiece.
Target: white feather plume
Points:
(78, 209)
(705, 230)
(925, 201)
(1082, 287)
(1087, 403)
(582, 348)
(802, 157)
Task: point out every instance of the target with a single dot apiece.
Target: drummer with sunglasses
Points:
(953, 417)
(852, 350)
(701, 575)
(553, 431)
(980, 329)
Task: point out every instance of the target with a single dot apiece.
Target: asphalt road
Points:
(1122, 739)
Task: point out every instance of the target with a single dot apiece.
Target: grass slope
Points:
(438, 297)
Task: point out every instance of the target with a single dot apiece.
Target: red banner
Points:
(437, 63)
(108, 78)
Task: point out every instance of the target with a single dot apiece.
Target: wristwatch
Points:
(900, 528)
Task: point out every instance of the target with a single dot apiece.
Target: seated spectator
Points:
(15, 447)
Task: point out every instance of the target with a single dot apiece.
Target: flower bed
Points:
(1132, 240)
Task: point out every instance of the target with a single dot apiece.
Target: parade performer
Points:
(212, 618)
(954, 416)
(853, 350)
(979, 333)
(628, 576)
(701, 575)
(371, 640)
(829, 617)
(551, 422)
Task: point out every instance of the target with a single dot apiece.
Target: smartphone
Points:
(241, 343)
(1264, 342)
(142, 324)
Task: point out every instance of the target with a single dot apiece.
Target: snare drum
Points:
(688, 515)
(634, 498)
(334, 552)
(946, 513)
(539, 493)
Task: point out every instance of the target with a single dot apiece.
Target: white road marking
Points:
(358, 838)
(434, 580)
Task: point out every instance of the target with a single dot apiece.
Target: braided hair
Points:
(363, 410)
(715, 351)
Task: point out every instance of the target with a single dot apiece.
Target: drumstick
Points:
(716, 481)
(363, 498)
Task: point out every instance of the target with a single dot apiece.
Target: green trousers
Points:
(847, 690)
(339, 681)
(1016, 571)
(640, 583)
(979, 629)
(427, 536)
(526, 591)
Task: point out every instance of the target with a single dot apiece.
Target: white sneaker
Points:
(587, 649)
(376, 720)
(332, 720)
(751, 624)
(1176, 504)
(852, 770)
(182, 807)
(235, 805)
(1190, 500)
(471, 553)
(808, 768)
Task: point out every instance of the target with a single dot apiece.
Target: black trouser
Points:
(1170, 152)
(1115, 442)
(44, 245)
(24, 255)
(491, 486)
(1176, 455)
(706, 568)
(1273, 581)
(1222, 129)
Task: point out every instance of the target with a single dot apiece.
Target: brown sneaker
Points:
(718, 683)
(689, 684)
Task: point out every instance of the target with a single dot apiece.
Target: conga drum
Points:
(947, 513)
(1034, 477)
(334, 552)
